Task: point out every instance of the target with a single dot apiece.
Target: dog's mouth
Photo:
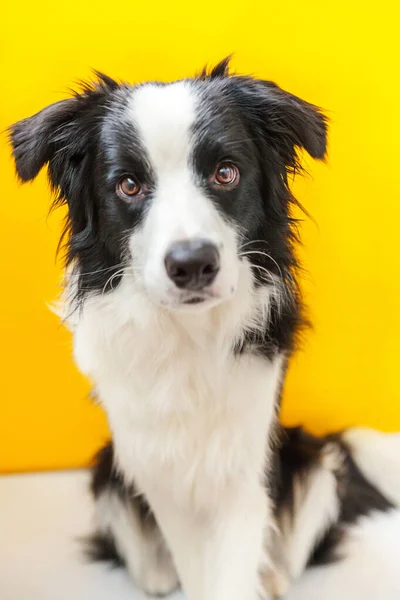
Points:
(196, 300)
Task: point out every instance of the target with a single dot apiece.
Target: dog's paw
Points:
(158, 580)
(275, 583)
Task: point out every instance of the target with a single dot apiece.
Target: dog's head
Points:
(183, 184)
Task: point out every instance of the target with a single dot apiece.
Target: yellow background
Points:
(343, 56)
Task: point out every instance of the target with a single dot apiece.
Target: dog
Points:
(181, 292)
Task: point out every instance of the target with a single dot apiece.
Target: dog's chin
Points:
(192, 302)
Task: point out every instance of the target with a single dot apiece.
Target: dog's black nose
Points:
(192, 264)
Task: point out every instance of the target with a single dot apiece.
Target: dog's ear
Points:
(284, 120)
(304, 124)
(59, 134)
(35, 140)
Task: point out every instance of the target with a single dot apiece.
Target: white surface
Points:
(43, 516)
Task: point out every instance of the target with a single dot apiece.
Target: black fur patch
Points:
(106, 478)
(100, 547)
(298, 453)
(261, 128)
(358, 498)
(105, 474)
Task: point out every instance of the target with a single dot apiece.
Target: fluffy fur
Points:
(190, 379)
(322, 490)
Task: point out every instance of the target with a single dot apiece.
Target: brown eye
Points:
(226, 174)
(128, 188)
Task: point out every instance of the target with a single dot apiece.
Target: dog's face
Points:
(182, 185)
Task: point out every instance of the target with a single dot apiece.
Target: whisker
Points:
(268, 273)
(252, 242)
(78, 273)
(110, 279)
(248, 252)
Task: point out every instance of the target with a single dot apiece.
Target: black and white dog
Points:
(182, 297)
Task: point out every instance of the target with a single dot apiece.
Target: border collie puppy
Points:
(181, 294)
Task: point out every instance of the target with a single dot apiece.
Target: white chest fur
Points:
(179, 403)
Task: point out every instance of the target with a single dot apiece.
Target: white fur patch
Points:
(377, 455)
(316, 508)
(164, 116)
(370, 570)
(191, 423)
(176, 397)
(179, 208)
(143, 549)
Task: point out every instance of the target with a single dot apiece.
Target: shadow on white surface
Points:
(42, 517)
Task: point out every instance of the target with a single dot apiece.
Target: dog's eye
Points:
(226, 174)
(128, 188)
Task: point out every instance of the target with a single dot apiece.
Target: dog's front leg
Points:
(218, 552)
